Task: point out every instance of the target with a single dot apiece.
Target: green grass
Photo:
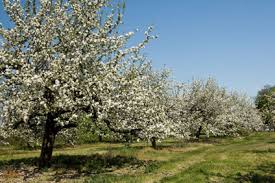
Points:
(244, 159)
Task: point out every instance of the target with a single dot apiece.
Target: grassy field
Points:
(245, 159)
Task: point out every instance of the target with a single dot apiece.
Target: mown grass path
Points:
(250, 159)
(244, 159)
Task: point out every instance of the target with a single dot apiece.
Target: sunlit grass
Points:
(242, 159)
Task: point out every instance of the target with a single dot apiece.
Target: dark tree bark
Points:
(48, 143)
(100, 138)
(198, 133)
(154, 142)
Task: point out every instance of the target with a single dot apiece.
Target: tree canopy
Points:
(265, 102)
(65, 60)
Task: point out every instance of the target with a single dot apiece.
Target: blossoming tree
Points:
(58, 62)
(136, 105)
(65, 60)
(204, 106)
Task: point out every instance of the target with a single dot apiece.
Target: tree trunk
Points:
(198, 133)
(47, 144)
(100, 138)
(154, 142)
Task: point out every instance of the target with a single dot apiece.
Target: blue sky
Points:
(230, 40)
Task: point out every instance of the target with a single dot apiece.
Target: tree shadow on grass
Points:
(271, 142)
(71, 166)
(269, 150)
(263, 174)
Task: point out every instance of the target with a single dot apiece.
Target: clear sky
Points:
(230, 40)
